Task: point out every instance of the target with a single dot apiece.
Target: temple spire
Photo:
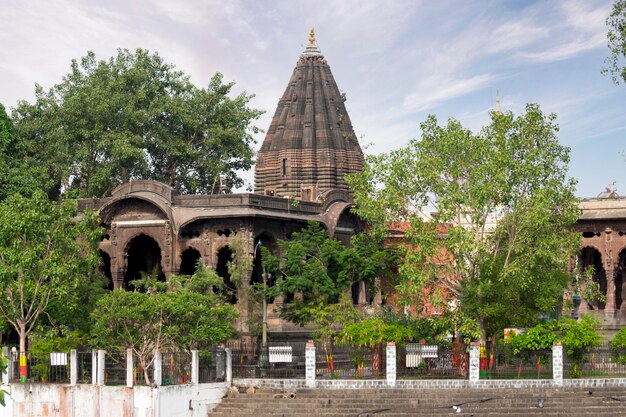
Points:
(312, 49)
(498, 109)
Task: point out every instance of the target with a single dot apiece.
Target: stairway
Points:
(522, 402)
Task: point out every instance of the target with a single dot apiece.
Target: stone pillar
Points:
(158, 369)
(609, 309)
(229, 366)
(100, 371)
(391, 364)
(5, 372)
(73, 367)
(94, 367)
(195, 367)
(474, 363)
(310, 364)
(557, 364)
(130, 380)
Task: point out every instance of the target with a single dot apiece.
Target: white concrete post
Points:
(391, 364)
(5, 374)
(130, 367)
(195, 367)
(101, 357)
(73, 367)
(557, 364)
(94, 367)
(158, 369)
(309, 357)
(229, 366)
(474, 363)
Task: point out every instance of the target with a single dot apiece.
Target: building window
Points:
(270, 192)
(284, 167)
(306, 194)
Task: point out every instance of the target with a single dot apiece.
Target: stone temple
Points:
(309, 147)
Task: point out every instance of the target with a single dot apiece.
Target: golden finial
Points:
(312, 37)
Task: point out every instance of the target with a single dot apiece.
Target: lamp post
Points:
(265, 275)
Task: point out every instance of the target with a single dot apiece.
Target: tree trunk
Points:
(23, 368)
(483, 331)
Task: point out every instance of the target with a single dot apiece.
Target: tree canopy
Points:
(183, 313)
(616, 36)
(315, 270)
(45, 258)
(487, 216)
(136, 117)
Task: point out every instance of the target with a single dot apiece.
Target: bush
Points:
(618, 347)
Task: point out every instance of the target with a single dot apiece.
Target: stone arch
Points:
(135, 207)
(142, 253)
(105, 268)
(268, 241)
(188, 260)
(592, 256)
(224, 255)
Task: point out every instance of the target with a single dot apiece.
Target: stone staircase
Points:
(511, 402)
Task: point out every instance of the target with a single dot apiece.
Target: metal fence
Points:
(115, 368)
(422, 361)
(212, 365)
(599, 362)
(43, 367)
(503, 363)
(279, 360)
(347, 362)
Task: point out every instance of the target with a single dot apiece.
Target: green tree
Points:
(17, 174)
(136, 117)
(44, 256)
(183, 313)
(488, 216)
(616, 36)
(316, 270)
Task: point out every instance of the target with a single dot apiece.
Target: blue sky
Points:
(397, 61)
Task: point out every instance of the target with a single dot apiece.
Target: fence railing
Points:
(117, 368)
(599, 362)
(288, 360)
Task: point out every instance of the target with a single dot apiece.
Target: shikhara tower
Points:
(310, 145)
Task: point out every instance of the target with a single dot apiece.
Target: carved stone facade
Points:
(310, 145)
(602, 225)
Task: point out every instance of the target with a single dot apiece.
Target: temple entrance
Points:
(105, 269)
(224, 256)
(143, 254)
(188, 261)
(591, 257)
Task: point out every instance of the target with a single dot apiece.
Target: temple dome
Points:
(310, 145)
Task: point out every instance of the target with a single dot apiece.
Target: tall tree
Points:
(488, 216)
(44, 256)
(17, 174)
(136, 117)
(616, 36)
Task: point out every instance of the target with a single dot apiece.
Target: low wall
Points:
(286, 384)
(55, 400)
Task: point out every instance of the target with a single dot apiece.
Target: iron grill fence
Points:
(503, 363)
(599, 362)
(340, 361)
(422, 361)
(85, 365)
(212, 365)
(175, 368)
(43, 367)
(278, 360)
(115, 368)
